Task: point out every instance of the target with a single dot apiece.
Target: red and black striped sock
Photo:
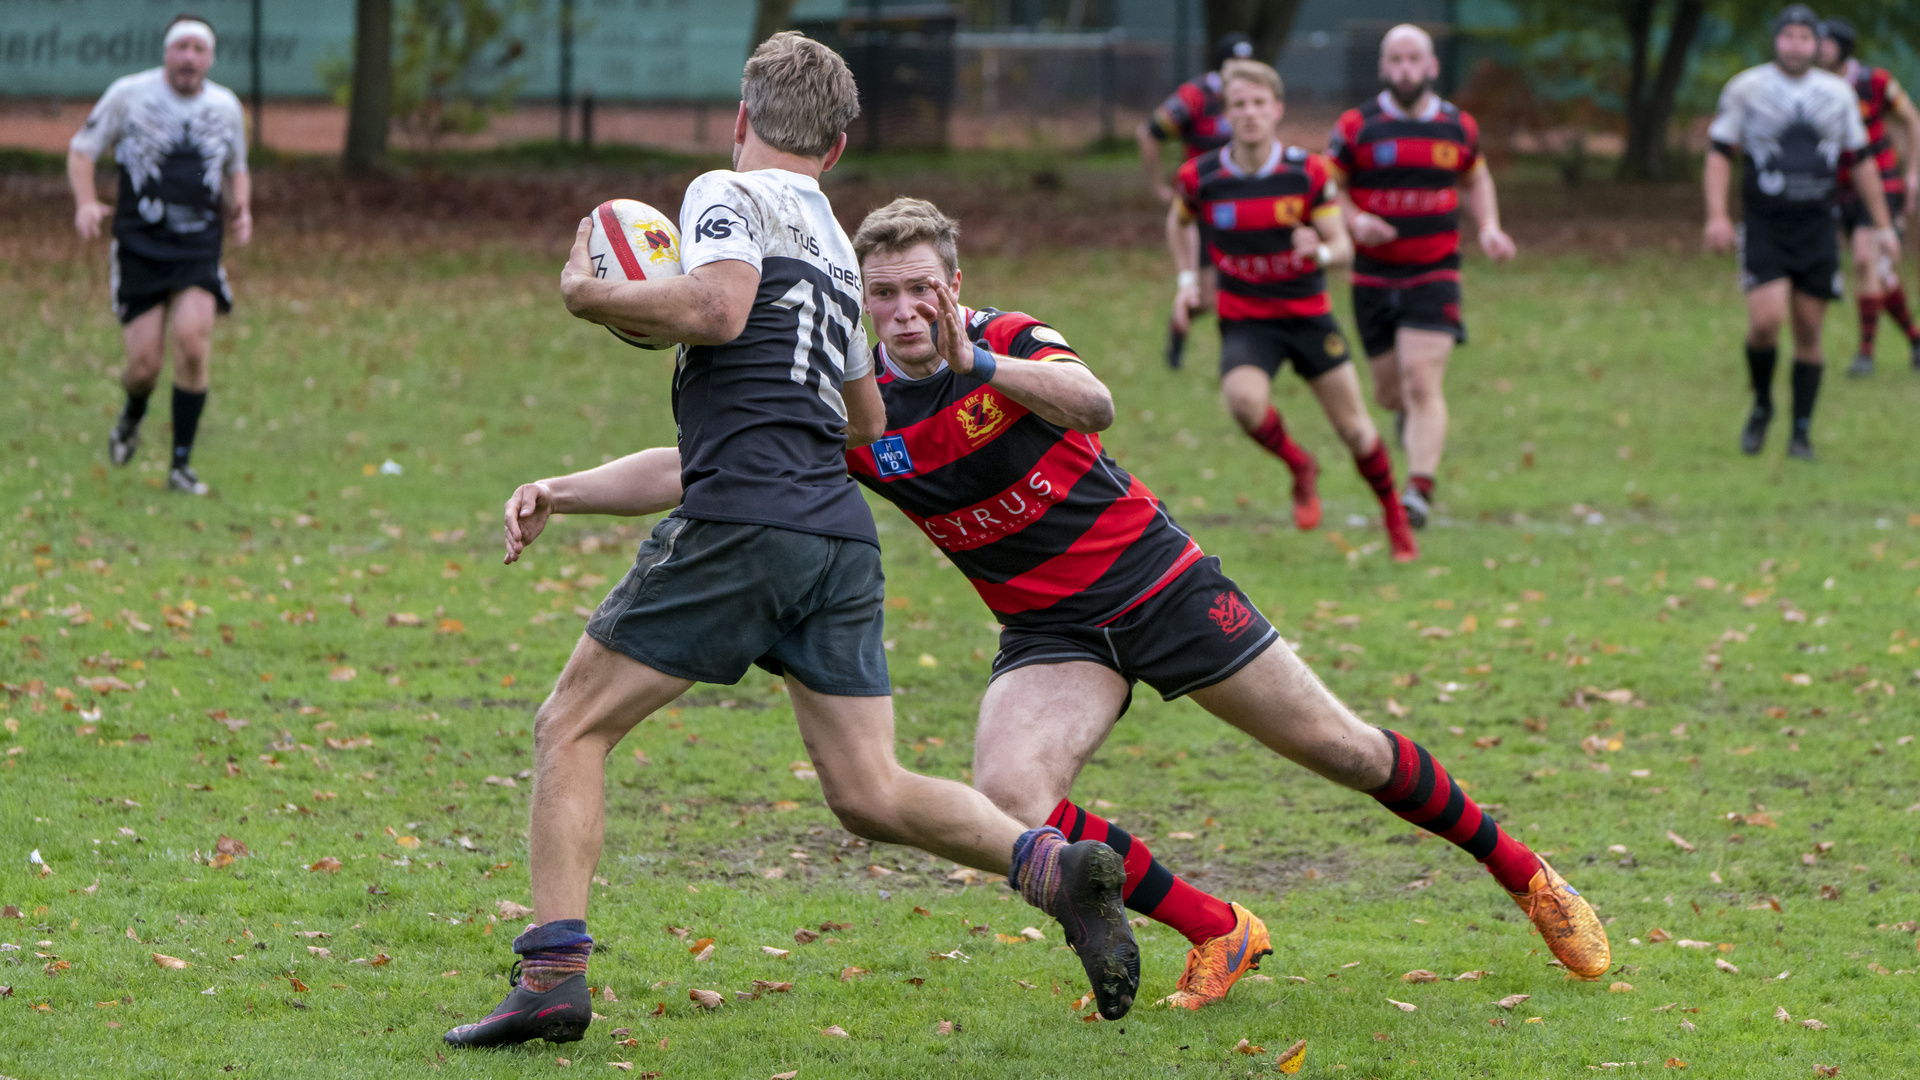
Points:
(1376, 468)
(1151, 889)
(1869, 323)
(1423, 484)
(1422, 793)
(1894, 302)
(1273, 435)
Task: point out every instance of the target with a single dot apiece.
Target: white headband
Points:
(189, 28)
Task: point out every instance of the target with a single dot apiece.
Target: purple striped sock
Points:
(553, 952)
(1036, 865)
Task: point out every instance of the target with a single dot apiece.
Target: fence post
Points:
(586, 120)
(566, 68)
(258, 93)
(1107, 81)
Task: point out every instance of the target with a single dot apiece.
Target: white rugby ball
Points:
(632, 241)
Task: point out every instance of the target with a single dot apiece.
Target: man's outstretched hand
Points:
(527, 512)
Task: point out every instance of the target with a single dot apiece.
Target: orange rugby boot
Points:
(1567, 922)
(1399, 531)
(1214, 965)
(1306, 495)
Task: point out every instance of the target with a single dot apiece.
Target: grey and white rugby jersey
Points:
(1791, 131)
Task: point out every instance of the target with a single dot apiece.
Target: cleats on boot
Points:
(1799, 446)
(1214, 965)
(1754, 435)
(1862, 366)
(1566, 922)
(122, 441)
(184, 479)
(1415, 504)
(1306, 496)
(559, 1015)
(1095, 922)
(1176, 348)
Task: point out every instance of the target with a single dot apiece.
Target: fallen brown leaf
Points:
(1402, 1005)
(1724, 966)
(849, 973)
(172, 963)
(1812, 1024)
(1470, 976)
(805, 936)
(706, 999)
(1680, 841)
(835, 1032)
(1419, 975)
(1676, 1063)
(1825, 1070)
(945, 1027)
(1512, 1000)
(785, 1075)
(1620, 988)
(513, 912)
(329, 865)
(766, 987)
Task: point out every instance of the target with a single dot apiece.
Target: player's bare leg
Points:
(1039, 725)
(190, 316)
(1247, 392)
(1766, 314)
(1340, 398)
(145, 340)
(1279, 701)
(1387, 391)
(1422, 356)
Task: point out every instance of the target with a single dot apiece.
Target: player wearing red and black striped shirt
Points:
(1271, 225)
(1877, 285)
(1402, 159)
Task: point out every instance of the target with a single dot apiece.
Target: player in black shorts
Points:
(1791, 121)
(180, 145)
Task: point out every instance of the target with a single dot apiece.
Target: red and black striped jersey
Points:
(1247, 221)
(1878, 93)
(1406, 168)
(1044, 524)
(1195, 113)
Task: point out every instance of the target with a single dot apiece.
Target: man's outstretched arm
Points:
(646, 482)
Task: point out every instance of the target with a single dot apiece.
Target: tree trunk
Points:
(1267, 22)
(371, 108)
(769, 18)
(1650, 107)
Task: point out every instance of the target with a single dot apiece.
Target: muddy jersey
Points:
(1047, 528)
(1880, 95)
(762, 424)
(1791, 131)
(1247, 220)
(1405, 168)
(173, 155)
(1195, 114)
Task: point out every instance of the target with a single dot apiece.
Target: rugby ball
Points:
(632, 241)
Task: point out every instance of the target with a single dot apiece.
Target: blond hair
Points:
(799, 94)
(906, 223)
(1255, 72)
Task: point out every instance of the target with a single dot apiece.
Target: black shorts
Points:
(1805, 250)
(1381, 310)
(1314, 343)
(1197, 631)
(1853, 213)
(706, 600)
(141, 284)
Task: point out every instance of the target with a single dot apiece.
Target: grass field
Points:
(1623, 634)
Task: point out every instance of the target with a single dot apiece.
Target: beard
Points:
(1798, 65)
(1409, 98)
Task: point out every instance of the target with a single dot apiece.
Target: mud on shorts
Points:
(1197, 631)
(1313, 343)
(141, 284)
(1381, 306)
(706, 600)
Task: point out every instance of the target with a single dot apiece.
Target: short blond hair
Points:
(1255, 72)
(906, 223)
(799, 94)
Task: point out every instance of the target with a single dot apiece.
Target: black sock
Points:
(1760, 365)
(135, 411)
(1806, 388)
(187, 405)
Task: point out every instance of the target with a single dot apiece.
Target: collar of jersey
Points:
(1233, 168)
(1392, 108)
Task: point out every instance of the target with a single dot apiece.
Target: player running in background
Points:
(179, 143)
(772, 557)
(1195, 114)
(1876, 281)
(1791, 121)
(1402, 159)
(991, 450)
(1272, 227)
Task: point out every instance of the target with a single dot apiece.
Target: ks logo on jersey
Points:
(1230, 614)
(719, 223)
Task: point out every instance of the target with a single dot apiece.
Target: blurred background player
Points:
(179, 143)
(1791, 121)
(1401, 160)
(1195, 114)
(1271, 227)
(1876, 280)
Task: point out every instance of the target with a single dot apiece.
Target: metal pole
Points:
(1182, 15)
(1106, 89)
(258, 94)
(566, 68)
(586, 120)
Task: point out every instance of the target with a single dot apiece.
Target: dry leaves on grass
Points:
(1292, 1058)
(1402, 1005)
(1680, 842)
(706, 999)
(946, 1027)
(1676, 1063)
(835, 1032)
(1470, 976)
(1512, 1001)
(512, 911)
(1724, 966)
(789, 1075)
(172, 963)
(777, 954)
(1825, 1070)
(1245, 1047)
(1420, 975)
(805, 936)
(328, 865)
(1620, 988)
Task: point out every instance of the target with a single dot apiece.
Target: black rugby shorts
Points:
(1381, 310)
(1804, 249)
(1313, 343)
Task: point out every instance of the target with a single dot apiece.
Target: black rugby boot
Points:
(1176, 347)
(1094, 918)
(560, 1015)
(1754, 435)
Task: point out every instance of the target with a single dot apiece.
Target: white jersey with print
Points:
(1792, 131)
(174, 154)
(762, 421)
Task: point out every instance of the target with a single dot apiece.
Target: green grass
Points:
(1592, 481)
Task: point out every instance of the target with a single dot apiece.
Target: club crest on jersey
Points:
(890, 457)
(1386, 153)
(980, 416)
(1446, 155)
(1230, 614)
